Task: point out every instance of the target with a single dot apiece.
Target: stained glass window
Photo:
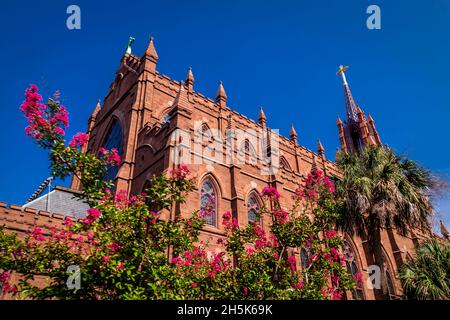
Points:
(252, 209)
(208, 202)
(113, 140)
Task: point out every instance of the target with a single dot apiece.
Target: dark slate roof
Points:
(60, 200)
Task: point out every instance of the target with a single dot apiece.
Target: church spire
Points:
(150, 58)
(221, 96)
(293, 133)
(320, 148)
(356, 132)
(151, 51)
(262, 117)
(349, 101)
(190, 80)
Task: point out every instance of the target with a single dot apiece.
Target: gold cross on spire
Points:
(341, 71)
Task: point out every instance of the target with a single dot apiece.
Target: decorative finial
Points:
(320, 148)
(341, 71)
(221, 94)
(151, 51)
(190, 77)
(130, 42)
(293, 133)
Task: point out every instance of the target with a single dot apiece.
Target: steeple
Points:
(320, 148)
(150, 58)
(262, 117)
(356, 132)
(349, 101)
(190, 80)
(293, 134)
(151, 51)
(221, 97)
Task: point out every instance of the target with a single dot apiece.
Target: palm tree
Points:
(427, 276)
(382, 190)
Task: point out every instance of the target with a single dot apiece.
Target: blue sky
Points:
(279, 54)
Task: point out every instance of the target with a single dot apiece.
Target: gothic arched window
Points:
(245, 149)
(304, 256)
(389, 280)
(252, 209)
(208, 202)
(352, 268)
(205, 131)
(113, 140)
(284, 165)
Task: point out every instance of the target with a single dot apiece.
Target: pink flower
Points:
(4, 276)
(330, 234)
(93, 214)
(79, 140)
(68, 222)
(194, 284)
(106, 259)
(358, 277)
(120, 266)
(292, 261)
(59, 131)
(7, 288)
(37, 234)
(299, 285)
(245, 291)
(181, 172)
(175, 260)
(114, 247)
(270, 192)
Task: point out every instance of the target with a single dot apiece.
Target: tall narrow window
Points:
(252, 209)
(113, 140)
(352, 268)
(208, 202)
(304, 256)
(389, 280)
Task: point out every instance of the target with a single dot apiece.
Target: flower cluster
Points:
(228, 221)
(271, 193)
(47, 122)
(37, 234)
(6, 286)
(112, 156)
(93, 215)
(79, 140)
(181, 173)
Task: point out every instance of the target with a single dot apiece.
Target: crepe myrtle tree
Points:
(124, 250)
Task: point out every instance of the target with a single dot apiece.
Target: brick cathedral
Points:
(156, 123)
